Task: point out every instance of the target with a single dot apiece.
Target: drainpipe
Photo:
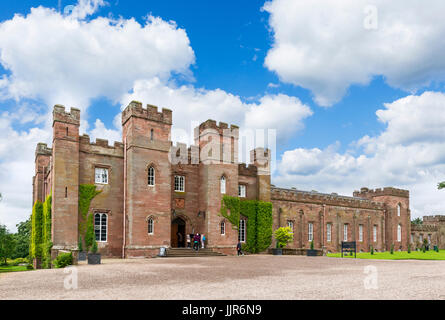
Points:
(125, 198)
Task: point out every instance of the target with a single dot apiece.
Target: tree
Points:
(417, 221)
(7, 244)
(441, 185)
(22, 238)
(283, 236)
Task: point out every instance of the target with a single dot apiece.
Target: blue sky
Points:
(356, 98)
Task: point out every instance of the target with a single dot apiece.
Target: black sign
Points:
(349, 247)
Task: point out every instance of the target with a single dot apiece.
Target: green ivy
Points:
(36, 230)
(259, 221)
(264, 225)
(232, 205)
(46, 239)
(87, 192)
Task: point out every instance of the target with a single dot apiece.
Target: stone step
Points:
(187, 252)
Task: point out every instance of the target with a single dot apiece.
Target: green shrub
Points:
(37, 230)
(46, 233)
(94, 246)
(63, 260)
(312, 245)
(392, 249)
(283, 236)
(80, 245)
(409, 247)
(29, 267)
(248, 208)
(90, 236)
(372, 250)
(264, 226)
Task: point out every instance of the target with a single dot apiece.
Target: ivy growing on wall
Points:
(36, 230)
(87, 192)
(259, 221)
(46, 233)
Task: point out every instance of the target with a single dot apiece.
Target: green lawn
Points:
(398, 255)
(12, 268)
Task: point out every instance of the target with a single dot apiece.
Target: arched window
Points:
(398, 210)
(152, 134)
(150, 224)
(100, 227)
(399, 233)
(223, 227)
(151, 176)
(223, 185)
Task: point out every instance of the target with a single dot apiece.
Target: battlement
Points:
(388, 191)
(424, 227)
(85, 141)
(436, 218)
(135, 109)
(250, 170)
(60, 115)
(324, 198)
(222, 128)
(179, 153)
(42, 149)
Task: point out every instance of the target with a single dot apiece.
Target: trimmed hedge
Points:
(46, 241)
(264, 225)
(63, 260)
(36, 231)
(249, 210)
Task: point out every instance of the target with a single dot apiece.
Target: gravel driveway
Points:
(248, 277)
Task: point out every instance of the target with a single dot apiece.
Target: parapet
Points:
(135, 109)
(60, 115)
(424, 227)
(244, 170)
(434, 219)
(100, 144)
(222, 128)
(324, 198)
(388, 191)
(42, 149)
(181, 154)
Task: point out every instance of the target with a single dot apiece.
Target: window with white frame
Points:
(223, 228)
(374, 233)
(329, 232)
(345, 232)
(101, 175)
(100, 227)
(421, 238)
(150, 226)
(429, 239)
(310, 231)
(241, 191)
(412, 238)
(398, 210)
(290, 224)
(223, 185)
(151, 176)
(399, 233)
(242, 231)
(360, 232)
(180, 183)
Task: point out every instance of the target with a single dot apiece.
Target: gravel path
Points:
(249, 277)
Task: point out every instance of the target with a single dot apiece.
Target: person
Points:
(180, 244)
(188, 241)
(238, 248)
(203, 239)
(196, 241)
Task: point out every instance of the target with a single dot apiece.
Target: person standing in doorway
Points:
(203, 239)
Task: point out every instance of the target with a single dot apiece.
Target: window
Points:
(429, 239)
(412, 238)
(421, 238)
(223, 228)
(374, 233)
(179, 183)
(345, 232)
(150, 224)
(310, 232)
(223, 185)
(242, 231)
(399, 233)
(398, 210)
(151, 176)
(152, 134)
(329, 232)
(100, 227)
(241, 191)
(101, 175)
(360, 233)
(290, 224)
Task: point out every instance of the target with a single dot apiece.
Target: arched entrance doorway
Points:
(178, 233)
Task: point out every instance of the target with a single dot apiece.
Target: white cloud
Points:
(323, 45)
(61, 59)
(100, 131)
(410, 154)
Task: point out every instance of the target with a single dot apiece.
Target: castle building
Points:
(154, 193)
